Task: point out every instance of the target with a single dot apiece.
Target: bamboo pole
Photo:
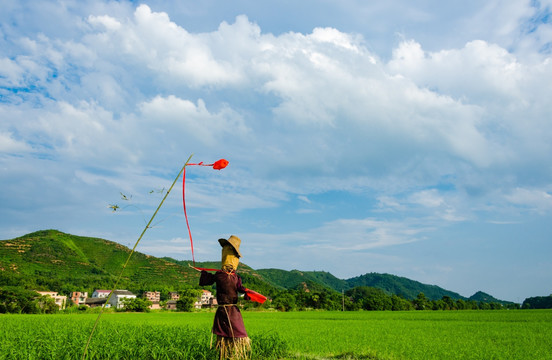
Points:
(128, 259)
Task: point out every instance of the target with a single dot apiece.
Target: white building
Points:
(101, 293)
(116, 300)
(205, 300)
(60, 300)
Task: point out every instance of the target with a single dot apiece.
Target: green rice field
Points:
(514, 334)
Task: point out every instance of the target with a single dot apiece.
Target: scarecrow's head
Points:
(230, 253)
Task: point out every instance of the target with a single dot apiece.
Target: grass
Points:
(521, 334)
(413, 334)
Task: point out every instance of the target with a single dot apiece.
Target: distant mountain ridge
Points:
(50, 259)
(391, 284)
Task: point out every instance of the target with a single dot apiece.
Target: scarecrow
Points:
(232, 340)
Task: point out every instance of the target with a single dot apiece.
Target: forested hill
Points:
(52, 260)
(55, 261)
(409, 289)
(484, 297)
(391, 284)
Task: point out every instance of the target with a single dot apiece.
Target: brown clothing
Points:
(228, 319)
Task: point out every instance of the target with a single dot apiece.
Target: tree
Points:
(47, 304)
(19, 301)
(422, 302)
(188, 297)
(136, 304)
(400, 304)
(438, 305)
(538, 302)
(449, 303)
(284, 301)
(371, 298)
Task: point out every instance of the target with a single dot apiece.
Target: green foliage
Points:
(390, 284)
(284, 301)
(120, 336)
(400, 304)
(47, 304)
(268, 346)
(16, 300)
(401, 286)
(371, 298)
(187, 299)
(538, 302)
(480, 296)
(305, 280)
(414, 335)
(136, 304)
(54, 261)
(21, 301)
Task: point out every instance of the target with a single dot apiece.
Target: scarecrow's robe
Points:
(228, 319)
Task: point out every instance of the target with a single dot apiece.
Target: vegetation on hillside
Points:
(54, 261)
(49, 259)
(538, 302)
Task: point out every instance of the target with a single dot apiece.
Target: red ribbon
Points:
(217, 165)
(255, 296)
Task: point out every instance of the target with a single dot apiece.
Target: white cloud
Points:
(10, 145)
(109, 97)
(304, 199)
(533, 199)
(170, 54)
(428, 198)
(171, 114)
(106, 21)
(10, 73)
(478, 73)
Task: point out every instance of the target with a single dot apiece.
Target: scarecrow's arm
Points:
(206, 278)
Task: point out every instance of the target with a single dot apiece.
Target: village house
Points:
(171, 305)
(61, 300)
(79, 298)
(154, 297)
(174, 296)
(96, 302)
(101, 293)
(118, 296)
(99, 297)
(205, 300)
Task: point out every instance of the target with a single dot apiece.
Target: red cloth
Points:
(228, 319)
(255, 296)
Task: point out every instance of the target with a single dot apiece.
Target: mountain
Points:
(407, 288)
(50, 259)
(391, 284)
(538, 302)
(53, 260)
(480, 296)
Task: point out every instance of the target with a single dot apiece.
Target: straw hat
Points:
(233, 241)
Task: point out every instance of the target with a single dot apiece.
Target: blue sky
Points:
(405, 137)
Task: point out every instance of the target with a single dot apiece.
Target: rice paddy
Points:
(521, 334)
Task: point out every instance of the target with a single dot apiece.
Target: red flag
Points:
(220, 164)
(255, 296)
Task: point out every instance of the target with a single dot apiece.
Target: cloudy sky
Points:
(402, 137)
